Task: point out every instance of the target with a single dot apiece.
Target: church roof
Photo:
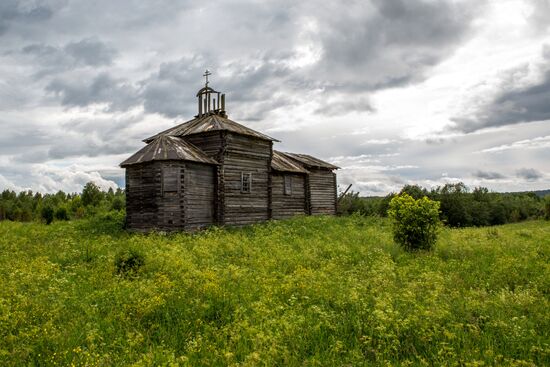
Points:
(282, 163)
(207, 123)
(164, 148)
(310, 162)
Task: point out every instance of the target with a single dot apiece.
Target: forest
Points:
(459, 205)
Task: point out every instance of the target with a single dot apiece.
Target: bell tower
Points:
(210, 101)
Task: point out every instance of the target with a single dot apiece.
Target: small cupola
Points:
(210, 101)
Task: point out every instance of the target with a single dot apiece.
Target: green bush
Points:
(61, 213)
(129, 261)
(547, 207)
(47, 214)
(415, 222)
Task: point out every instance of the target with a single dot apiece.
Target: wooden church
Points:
(212, 170)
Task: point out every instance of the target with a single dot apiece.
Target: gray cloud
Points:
(12, 11)
(117, 94)
(540, 17)
(91, 51)
(529, 174)
(514, 103)
(77, 86)
(389, 43)
(49, 60)
(487, 175)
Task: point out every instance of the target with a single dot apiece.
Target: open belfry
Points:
(214, 171)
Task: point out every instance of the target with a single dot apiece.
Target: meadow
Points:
(313, 291)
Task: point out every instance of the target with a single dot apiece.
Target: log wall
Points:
(243, 154)
(286, 206)
(141, 204)
(171, 204)
(322, 192)
(200, 185)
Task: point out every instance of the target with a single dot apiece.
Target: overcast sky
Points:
(393, 91)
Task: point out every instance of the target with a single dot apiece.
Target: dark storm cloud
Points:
(390, 43)
(91, 51)
(167, 90)
(82, 147)
(529, 174)
(351, 104)
(515, 103)
(12, 11)
(117, 94)
(50, 60)
(487, 175)
(367, 47)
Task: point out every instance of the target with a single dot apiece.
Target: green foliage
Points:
(415, 191)
(27, 206)
(129, 261)
(547, 207)
(47, 214)
(91, 195)
(415, 222)
(312, 291)
(118, 203)
(61, 213)
(351, 203)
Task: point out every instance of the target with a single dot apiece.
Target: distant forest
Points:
(27, 206)
(460, 206)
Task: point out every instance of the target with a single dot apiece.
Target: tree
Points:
(47, 214)
(91, 195)
(415, 191)
(415, 222)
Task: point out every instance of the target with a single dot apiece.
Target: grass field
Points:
(308, 291)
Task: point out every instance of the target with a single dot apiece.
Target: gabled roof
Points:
(282, 163)
(210, 122)
(310, 162)
(164, 148)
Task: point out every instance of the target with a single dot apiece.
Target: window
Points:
(288, 185)
(246, 182)
(170, 180)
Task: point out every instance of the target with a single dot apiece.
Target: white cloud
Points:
(535, 143)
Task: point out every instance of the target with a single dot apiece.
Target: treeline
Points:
(27, 206)
(460, 206)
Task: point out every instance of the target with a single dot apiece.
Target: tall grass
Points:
(307, 291)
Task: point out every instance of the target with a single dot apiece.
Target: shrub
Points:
(547, 207)
(129, 261)
(47, 214)
(415, 222)
(118, 203)
(61, 213)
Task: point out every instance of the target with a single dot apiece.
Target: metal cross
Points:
(206, 73)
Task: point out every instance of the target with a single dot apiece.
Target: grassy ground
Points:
(309, 291)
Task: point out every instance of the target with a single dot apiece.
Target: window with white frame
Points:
(246, 182)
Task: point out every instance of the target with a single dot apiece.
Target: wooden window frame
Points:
(287, 185)
(244, 189)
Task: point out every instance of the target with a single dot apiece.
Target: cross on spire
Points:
(206, 74)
